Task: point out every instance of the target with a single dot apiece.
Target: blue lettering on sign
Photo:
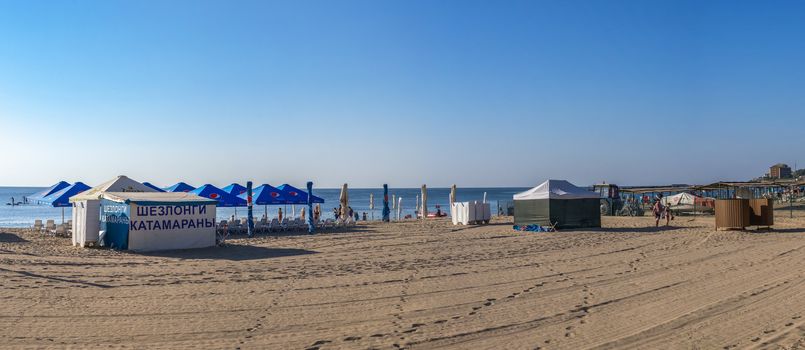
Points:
(137, 225)
(162, 210)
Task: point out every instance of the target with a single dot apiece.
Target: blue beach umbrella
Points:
(61, 199)
(266, 194)
(297, 196)
(49, 191)
(224, 199)
(150, 185)
(235, 189)
(180, 187)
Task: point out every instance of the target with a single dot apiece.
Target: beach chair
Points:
(37, 226)
(234, 227)
(222, 233)
(60, 230)
(298, 224)
(284, 224)
(274, 225)
(50, 226)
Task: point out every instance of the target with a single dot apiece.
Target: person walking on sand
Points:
(279, 214)
(669, 215)
(657, 211)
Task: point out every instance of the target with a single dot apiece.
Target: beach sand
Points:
(418, 285)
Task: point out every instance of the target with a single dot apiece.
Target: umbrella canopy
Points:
(50, 190)
(266, 194)
(452, 194)
(296, 196)
(62, 198)
(180, 187)
(153, 187)
(235, 189)
(224, 199)
(371, 201)
(344, 199)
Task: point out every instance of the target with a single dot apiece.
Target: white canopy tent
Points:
(557, 203)
(555, 189)
(154, 221)
(86, 207)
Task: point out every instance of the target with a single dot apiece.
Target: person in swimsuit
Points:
(668, 215)
(657, 210)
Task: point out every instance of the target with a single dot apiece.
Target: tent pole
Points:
(62, 215)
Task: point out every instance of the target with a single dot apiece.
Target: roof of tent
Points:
(266, 194)
(62, 198)
(152, 186)
(50, 190)
(180, 187)
(235, 189)
(555, 189)
(297, 196)
(156, 197)
(224, 199)
(118, 184)
(681, 199)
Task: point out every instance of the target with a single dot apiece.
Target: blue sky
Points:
(475, 93)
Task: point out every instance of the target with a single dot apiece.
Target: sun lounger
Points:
(60, 230)
(50, 226)
(37, 226)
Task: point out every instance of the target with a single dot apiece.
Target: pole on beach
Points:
(311, 226)
(372, 205)
(424, 202)
(399, 207)
(249, 211)
(386, 203)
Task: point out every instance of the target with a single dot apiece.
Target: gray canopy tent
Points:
(559, 203)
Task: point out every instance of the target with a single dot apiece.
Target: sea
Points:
(24, 215)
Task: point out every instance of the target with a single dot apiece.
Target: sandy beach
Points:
(418, 285)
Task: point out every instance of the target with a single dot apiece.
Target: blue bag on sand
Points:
(530, 228)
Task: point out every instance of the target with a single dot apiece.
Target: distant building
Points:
(780, 171)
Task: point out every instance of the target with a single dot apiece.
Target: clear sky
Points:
(477, 93)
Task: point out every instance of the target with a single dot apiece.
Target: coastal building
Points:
(780, 171)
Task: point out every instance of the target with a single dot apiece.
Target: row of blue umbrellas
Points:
(233, 195)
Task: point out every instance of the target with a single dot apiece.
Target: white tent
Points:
(555, 189)
(686, 202)
(86, 207)
(157, 220)
(557, 203)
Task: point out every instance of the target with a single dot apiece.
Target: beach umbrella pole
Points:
(311, 226)
(386, 210)
(249, 212)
